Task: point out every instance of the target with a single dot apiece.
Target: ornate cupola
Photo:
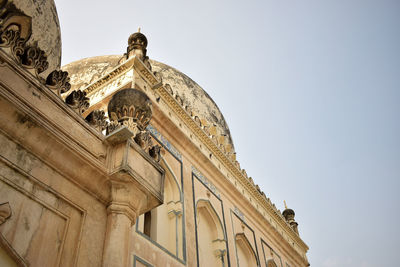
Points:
(137, 44)
(289, 217)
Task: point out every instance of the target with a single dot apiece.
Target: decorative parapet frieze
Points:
(120, 70)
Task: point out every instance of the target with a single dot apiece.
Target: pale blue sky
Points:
(310, 91)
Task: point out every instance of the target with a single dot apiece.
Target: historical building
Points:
(121, 161)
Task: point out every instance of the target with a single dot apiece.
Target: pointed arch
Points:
(211, 241)
(271, 263)
(164, 224)
(245, 253)
(174, 190)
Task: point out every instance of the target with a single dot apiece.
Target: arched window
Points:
(246, 256)
(210, 236)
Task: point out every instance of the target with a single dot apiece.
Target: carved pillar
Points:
(126, 202)
(116, 245)
(136, 179)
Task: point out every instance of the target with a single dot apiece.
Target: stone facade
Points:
(130, 165)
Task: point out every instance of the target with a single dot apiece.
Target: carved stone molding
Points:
(5, 212)
(78, 101)
(58, 81)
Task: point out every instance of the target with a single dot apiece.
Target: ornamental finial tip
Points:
(284, 202)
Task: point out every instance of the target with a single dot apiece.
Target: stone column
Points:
(136, 178)
(126, 199)
(116, 245)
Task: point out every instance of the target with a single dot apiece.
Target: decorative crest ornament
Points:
(36, 58)
(13, 40)
(97, 119)
(137, 44)
(289, 217)
(143, 139)
(78, 101)
(131, 107)
(58, 81)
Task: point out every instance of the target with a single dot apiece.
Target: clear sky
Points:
(310, 91)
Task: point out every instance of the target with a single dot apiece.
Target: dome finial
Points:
(289, 217)
(138, 29)
(137, 44)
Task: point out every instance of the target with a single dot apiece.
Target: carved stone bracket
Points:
(58, 81)
(5, 212)
(78, 101)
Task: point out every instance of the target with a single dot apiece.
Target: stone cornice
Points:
(101, 82)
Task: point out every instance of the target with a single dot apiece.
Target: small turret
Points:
(137, 44)
(289, 216)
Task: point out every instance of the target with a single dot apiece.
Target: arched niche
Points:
(246, 256)
(211, 240)
(164, 223)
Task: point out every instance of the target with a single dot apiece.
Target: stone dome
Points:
(45, 28)
(84, 71)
